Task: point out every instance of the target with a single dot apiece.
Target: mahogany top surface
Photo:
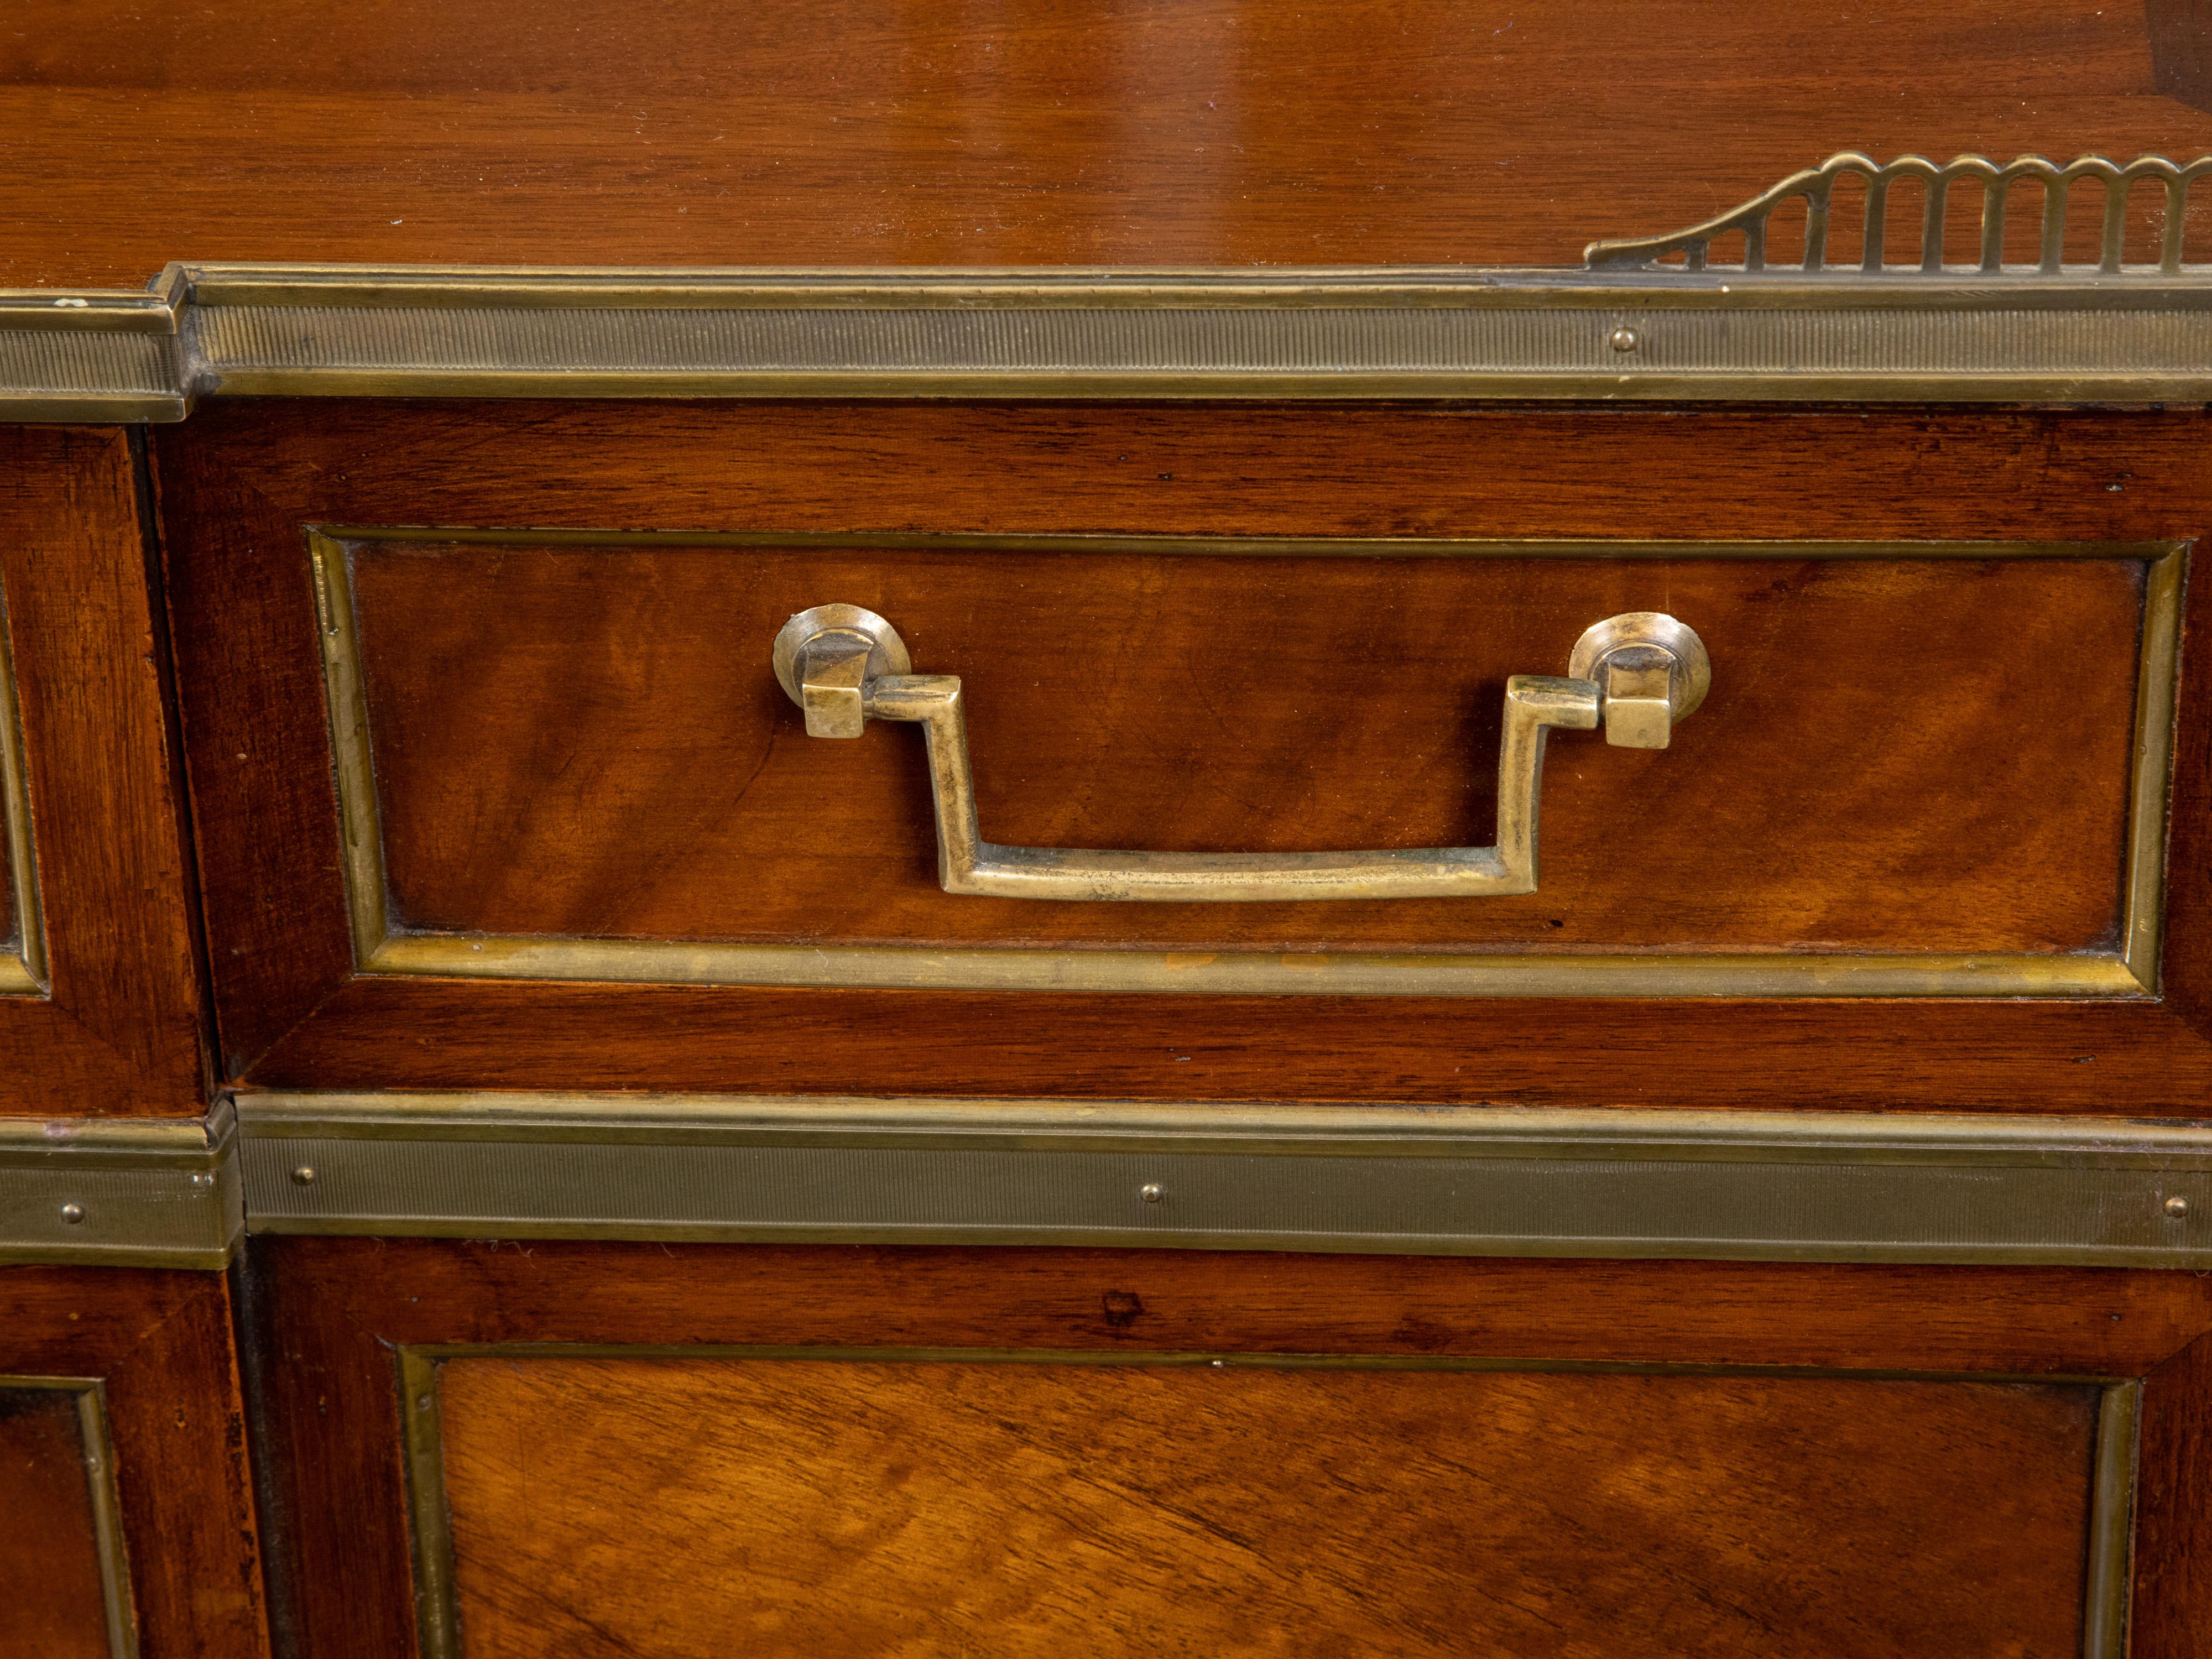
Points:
(1099, 132)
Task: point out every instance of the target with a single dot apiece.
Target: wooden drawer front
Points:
(1915, 846)
(583, 767)
(587, 1449)
(862, 1505)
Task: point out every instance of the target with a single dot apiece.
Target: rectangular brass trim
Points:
(24, 972)
(430, 1531)
(122, 1192)
(2131, 971)
(1472, 1181)
(108, 1536)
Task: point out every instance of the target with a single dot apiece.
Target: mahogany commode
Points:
(1539, 975)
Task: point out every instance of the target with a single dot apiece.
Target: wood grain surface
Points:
(51, 1596)
(808, 1507)
(2174, 1509)
(122, 1030)
(242, 483)
(160, 1346)
(882, 132)
(327, 1314)
(588, 741)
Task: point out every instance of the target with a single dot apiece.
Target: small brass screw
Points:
(1151, 1192)
(2177, 1208)
(304, 1176)
(72, 1214)
(1626, 339)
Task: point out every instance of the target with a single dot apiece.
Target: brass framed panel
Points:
(91, 1402)
(2113, 1473)
(2130, 970)
(1451, 1181)
(23, 971)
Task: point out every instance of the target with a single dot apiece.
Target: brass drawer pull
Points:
(1639, 674)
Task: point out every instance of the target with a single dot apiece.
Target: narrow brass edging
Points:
(1466, 1181)
(2129, 971)
(437, 1629)
(2111, 1521)
(2158, 680)
(437, 1602)
(23, 974)
(91, 1402)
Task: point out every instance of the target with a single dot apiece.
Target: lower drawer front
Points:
(958, 1504)
(489, 1452)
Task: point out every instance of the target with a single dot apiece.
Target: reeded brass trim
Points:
(2128, 970)
(24, 972)
(437, 1610)
(91, 1402)
(121, 1192)
(1457, 1181)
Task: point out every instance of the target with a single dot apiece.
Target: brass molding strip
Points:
(1288, 334)
(121, 1192)
(91, 1400)
(24, 970)
(1475, 1180)
(1613, 332)
(2105, 1609)
(2129, 971)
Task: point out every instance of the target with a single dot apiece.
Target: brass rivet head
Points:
(304, 1176)
(1151, 1192)
(72, 1214)
(2177, 1208)
(1626, 339)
